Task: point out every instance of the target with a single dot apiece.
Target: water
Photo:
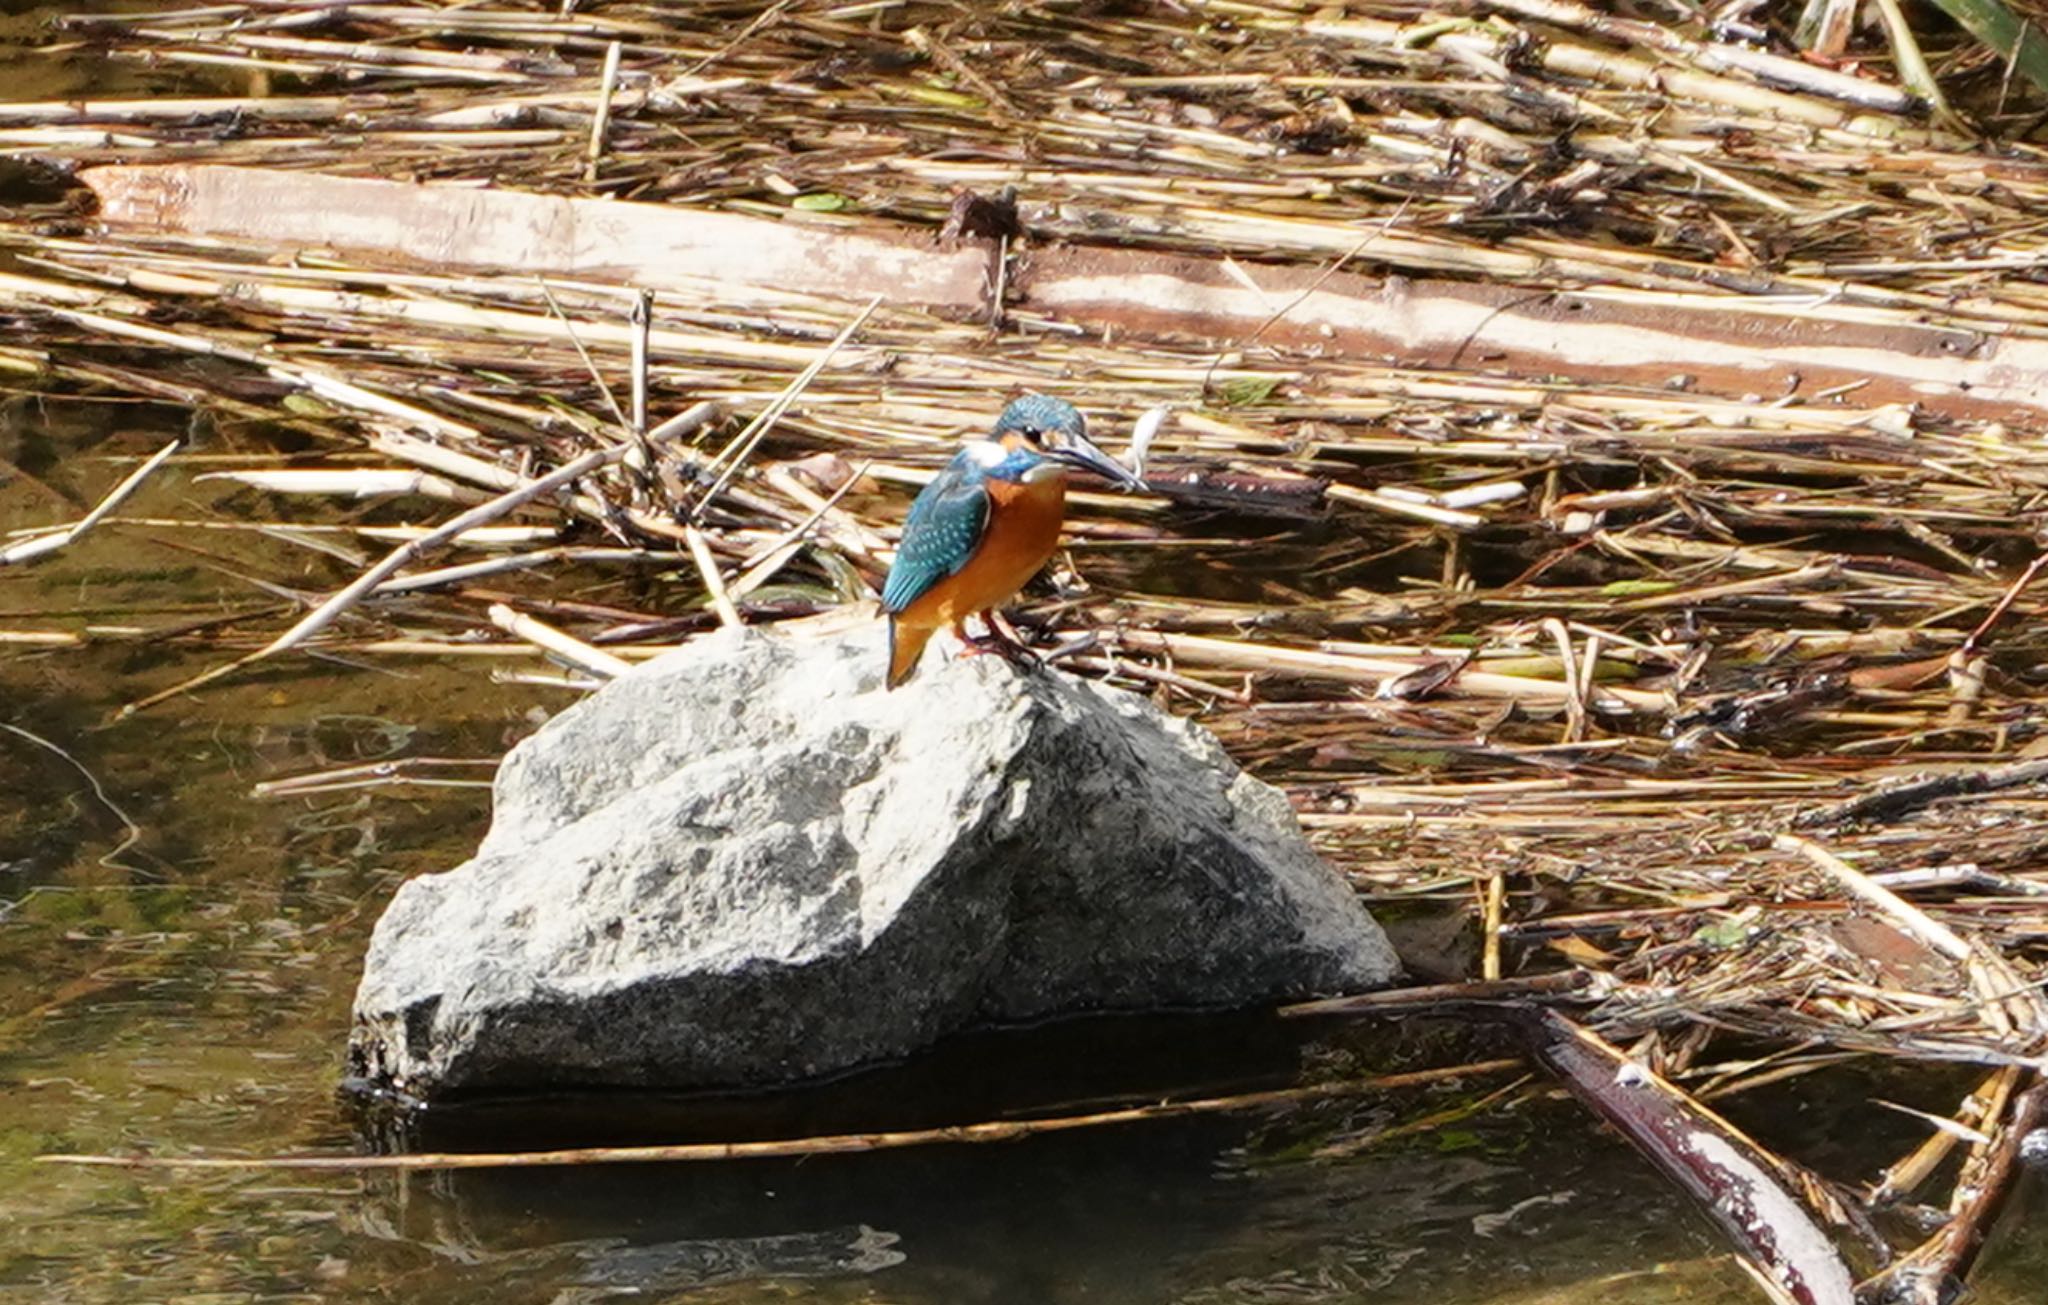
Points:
(190, 991)
(183, 985)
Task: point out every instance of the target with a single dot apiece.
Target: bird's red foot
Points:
(997, 642)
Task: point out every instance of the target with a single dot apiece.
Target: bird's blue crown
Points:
(1042, 413)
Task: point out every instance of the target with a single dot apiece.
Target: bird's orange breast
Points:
(1023, 529)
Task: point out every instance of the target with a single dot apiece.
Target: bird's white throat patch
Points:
(1041, 472)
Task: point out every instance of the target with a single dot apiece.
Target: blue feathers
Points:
(949, 517)
(1041, 413)
(943, 530)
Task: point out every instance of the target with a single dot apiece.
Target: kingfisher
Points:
(986, 524)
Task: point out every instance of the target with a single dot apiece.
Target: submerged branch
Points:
(1733, 1180)
(834, 1144)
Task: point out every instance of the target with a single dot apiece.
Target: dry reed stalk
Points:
(41, 545)
(841, 1144)
(322, 616)
(558, 644)
(1316, 664)
(1633, 627)
(714, 583)
(418, 771)
(1714, 56)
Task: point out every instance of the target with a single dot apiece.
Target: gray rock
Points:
(746, 863)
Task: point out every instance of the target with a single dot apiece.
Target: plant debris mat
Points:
(1733, 699)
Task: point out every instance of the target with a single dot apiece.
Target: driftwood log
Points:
(1790, 342)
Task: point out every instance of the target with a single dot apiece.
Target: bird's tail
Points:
(906, 645)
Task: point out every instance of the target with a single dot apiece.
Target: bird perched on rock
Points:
(986, 524)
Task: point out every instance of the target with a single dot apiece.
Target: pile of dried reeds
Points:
(1735, 699)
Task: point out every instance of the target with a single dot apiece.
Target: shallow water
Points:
(189, 992)
(185, 987)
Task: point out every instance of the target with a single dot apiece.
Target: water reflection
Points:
(1176, 1214)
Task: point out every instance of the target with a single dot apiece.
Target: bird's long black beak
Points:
(1080, 451)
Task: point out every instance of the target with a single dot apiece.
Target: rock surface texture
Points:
(746, 863)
